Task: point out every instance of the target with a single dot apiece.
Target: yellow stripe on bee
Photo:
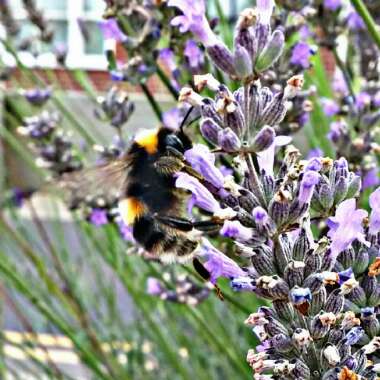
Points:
(148, 139)
(129, 209)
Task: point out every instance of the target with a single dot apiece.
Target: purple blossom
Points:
(172, 118)
(193, 20)
(346, 226)
(265, 10)
(260, 216)
(243, 284)
(304, 32)
(195, 56)
(201, 197)
(353, 336)
(345, 275)
(235, 230)
(354, 21)
(126, 231)
(314, 164)
(330, 107)
(337, 128)
(300, 295)
(98, 217)
(371, 178)
(218, 264)
(339, 84)
(111, 30)
(376, 99)
(203, 161)
(362, 100)
(167, 58)
(37, 96)
(308, 182)
(374, 220)
(301, 54)
(265, 158)
(332, 5)
(153, 286)
(316, 152)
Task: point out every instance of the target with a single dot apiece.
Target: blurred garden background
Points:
(77, 299)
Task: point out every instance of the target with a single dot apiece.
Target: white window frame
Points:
(76, 56)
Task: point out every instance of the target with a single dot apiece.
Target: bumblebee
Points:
(143, 182)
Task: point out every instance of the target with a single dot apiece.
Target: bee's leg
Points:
(186, 225)
(169, 165)
(181, 224)
(208, 225)
(206, 275)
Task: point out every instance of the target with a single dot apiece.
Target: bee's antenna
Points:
(189, 111)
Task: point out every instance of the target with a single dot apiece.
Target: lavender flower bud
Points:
(274, 112)
(284, 310)
(264, 139)
(301, 370)
(357, 295)
(335, 302)
(210, 130)
(279, 208)
(331, 354)
(222, 58)
(301, 338)
(308, 182)
(340, 190)
(299, 295)
(262, 261)
(244, 36)
(262, 34)
(347, 257)
(361, 261)
(314, 282)
(242, 62)
(268, 186)
(228, 140)
(281, 255)
(208, 110)
(276, 287)
(326, 196)
(281, 343)
(301, 246)
(374, 298)
(318, 301)
(274, 327)
(318, 329)
(354, 187)
(235, 230)
(353, 336)
(294, 273)
(271, 52)
(313, 263)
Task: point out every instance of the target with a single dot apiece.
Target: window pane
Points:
(60, 35)
(96, 6)
(94, 42)
(52, 5)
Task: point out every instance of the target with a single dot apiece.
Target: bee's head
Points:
(178, 141)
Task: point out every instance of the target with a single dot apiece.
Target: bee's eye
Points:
(173, 141)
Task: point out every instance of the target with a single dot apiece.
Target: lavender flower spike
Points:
(346, 226)
(218, 264)
(374, 220)
(193, 20)
(201, 197)
(308, 182)
(203, 161)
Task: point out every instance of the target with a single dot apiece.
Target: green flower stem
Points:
(165, 80)
(152, 101)
(25, 289)
(373, 28)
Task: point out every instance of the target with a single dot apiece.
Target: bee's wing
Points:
(106, 181)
